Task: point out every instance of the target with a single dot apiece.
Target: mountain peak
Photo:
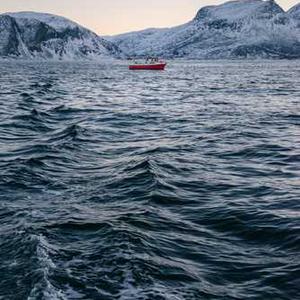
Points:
(295, 11)
(56, 22)
(47, 36)
(236, 29)
(240, 9)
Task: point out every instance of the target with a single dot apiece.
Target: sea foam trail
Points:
(44, 288)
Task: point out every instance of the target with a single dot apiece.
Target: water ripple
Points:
(169, 185)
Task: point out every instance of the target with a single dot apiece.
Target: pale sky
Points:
(117, 16)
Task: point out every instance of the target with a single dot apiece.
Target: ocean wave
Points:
(120, 185)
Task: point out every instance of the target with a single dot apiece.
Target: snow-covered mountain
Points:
(294, 12)
(236, 29)
(39, 35)
(242, 28)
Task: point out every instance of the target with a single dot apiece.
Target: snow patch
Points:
(57, 22)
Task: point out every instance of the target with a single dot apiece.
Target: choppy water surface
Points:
(181, 184)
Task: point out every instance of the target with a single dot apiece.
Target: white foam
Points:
(44, 286)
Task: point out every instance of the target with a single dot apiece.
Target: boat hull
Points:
(157, 67)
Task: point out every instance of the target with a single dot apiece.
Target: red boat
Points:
(151, 66)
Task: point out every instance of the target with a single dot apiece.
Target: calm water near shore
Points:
(182, 184)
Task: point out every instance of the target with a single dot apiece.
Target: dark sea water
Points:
(183, 184)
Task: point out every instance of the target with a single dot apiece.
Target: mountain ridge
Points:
(30, 35)
(234, 29)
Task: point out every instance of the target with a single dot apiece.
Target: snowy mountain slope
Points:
(239, 10)
(37, 35)
(57, 22)
(294, 12)
(243, 28)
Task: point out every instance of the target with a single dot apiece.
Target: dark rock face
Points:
(35, 33)
(30, 35)
(8, 36)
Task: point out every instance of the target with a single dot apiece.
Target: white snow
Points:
(255, 28)
(59, 38)
(259, 27)
(237, 10)
(295, 11)
(57, 22)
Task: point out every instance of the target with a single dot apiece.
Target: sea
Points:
(182, 184)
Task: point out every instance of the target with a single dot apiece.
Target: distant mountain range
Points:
(236, 29)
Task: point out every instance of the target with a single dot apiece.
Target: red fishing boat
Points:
(152, 65)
